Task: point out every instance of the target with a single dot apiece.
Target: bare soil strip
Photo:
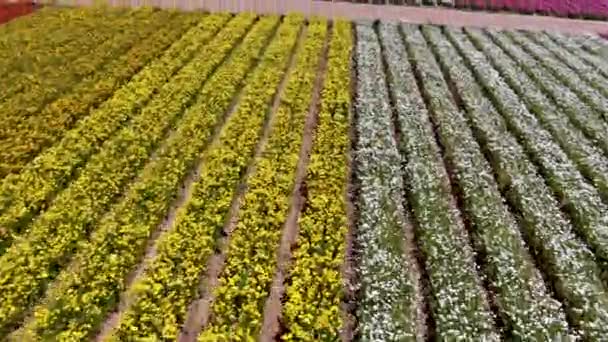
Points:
(199, 312)
(272, 310)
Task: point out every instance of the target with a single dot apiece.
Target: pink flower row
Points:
(586, 8)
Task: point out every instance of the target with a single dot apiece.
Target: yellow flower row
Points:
(313, 298)
(33, 89)
(251, 261)
(169, 284)
(23, 141)
(55, 37)
(23, 195)
(98, 273)
(34, 260)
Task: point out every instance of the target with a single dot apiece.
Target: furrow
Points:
(246, 280)
(272, 324)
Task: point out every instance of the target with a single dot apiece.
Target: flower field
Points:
(230, 177)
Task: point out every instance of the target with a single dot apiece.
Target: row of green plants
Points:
(565, 260)
(35, 258)
(582, 201)
(29, 49)
(523, 302)
(459, 303)
(588, 94)
(589, 50)
(70, 62)
(97, 276)
(581, 115)
(160, 298)
(251, 256)
(385, 281)
(22, 195)
(574, 62)
(312, 307)
(38, 131)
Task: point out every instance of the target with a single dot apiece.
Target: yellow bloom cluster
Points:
(36, 258)
(162, 295)
(313, 297)
(100, 269)
(251, 256)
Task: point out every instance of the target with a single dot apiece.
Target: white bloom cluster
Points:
(523, 301)
(564, 259)
(588, 94)
(461, 308)
(581, 115)
(582, 200)
(591, 50)
(576, 63)
(386, 309)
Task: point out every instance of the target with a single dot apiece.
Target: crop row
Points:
(588, 94)
(161, 296)
(24, 51)
(43, 129)
(23, 195)
(578, 112)
(591, 43)
(251, 259)
(36, 257)
(27, 95)
(582, 201)
(314, 294)
(386, 290)
(576, 63)
(563, 258)
(590, 54)
(523, 302)
(460, 304)
(94, 282)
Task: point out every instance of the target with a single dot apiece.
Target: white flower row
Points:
(582, 200)
(576, 63)
(524, 304)
(588, 94)
(590, 51)
(566, 261)
(578, 112)
(592, 163)
(386, 309)
(460, 306)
